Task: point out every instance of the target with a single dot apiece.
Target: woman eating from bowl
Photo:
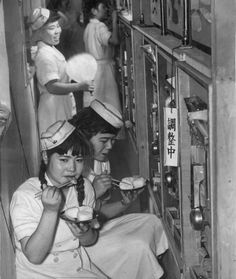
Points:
(128, 245)
(56, 98)
(100, 123)
(47, 246)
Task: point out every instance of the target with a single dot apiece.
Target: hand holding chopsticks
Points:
(64, 185)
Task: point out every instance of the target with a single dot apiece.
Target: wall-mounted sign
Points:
(171, 140)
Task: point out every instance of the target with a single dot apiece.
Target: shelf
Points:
(127, 19)
(198, 59)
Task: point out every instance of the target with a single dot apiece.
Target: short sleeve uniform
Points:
(96, 39)
(51, 65)
(67, 259)
(130, 243)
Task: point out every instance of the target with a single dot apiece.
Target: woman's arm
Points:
(87, 236)
(62, 88)
(114, 40)
(37, 246)
(111, 210)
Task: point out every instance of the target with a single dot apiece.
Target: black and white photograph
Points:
(117, 130)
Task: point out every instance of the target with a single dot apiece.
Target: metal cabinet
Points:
(194, 193)
(194, 92)
(172, 141)
(178, 101)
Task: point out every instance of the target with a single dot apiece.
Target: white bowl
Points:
(78, 214)
(132, 183)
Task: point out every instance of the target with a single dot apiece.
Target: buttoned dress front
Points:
(130, 243)
(96, 37)
(50, 64)
(67, 259)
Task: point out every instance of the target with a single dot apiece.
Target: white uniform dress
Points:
(51, 65)
(128, 245)
(67, 259)
(96, 36)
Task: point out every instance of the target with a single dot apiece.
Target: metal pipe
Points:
(163, 16)
(186, 41)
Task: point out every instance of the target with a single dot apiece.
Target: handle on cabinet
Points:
(155, 147)
(197, 218)
(170, 179)
(150, 51)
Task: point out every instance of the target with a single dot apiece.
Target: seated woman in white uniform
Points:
(56, 98)
(127, 246)
(46, 245)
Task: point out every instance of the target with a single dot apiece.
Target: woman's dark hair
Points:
(80, 146)
(53, 16)
(57, 4)
(90, 123)
(88, 5)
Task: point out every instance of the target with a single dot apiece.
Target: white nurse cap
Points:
(39, 17)
(56, 134)
(108, 113)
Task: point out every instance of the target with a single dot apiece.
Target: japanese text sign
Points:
(171, 137)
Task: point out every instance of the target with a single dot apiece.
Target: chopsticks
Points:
(67, 184)
(116, 182)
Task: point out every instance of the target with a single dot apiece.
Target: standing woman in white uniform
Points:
(46, 245)
(56, 97)
(100, 42)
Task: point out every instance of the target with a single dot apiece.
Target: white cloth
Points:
(127, 246)
(67, 259)
(96, 37)
(51, 65)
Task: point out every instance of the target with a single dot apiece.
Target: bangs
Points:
(77, 142)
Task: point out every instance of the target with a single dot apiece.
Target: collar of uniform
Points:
(95, 20)
(52, 50)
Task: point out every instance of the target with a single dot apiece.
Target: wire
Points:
(19, 132)
(8, 226)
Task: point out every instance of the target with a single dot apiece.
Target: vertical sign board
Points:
(171, 137)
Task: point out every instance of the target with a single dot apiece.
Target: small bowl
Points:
(132, 187)
(67, 217)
